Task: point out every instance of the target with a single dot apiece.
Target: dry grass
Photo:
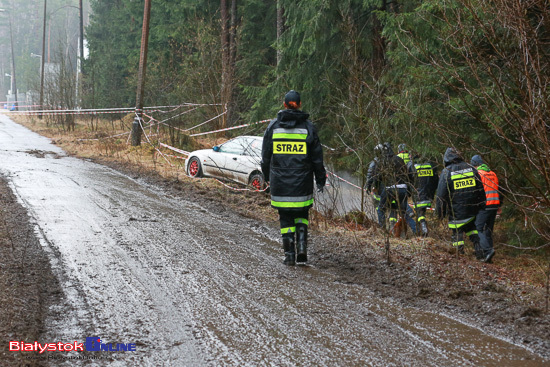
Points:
(510, 269)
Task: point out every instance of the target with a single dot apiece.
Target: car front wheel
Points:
(194, 169)
(257, 181)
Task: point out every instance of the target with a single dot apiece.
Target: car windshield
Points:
(234, 146)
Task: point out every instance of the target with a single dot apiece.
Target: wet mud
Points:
(194, 285)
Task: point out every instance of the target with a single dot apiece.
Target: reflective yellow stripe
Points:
(290, 136)
(302, 221)
(462, 175)
(421, 218)
(288, 230)
(459, 243)
(472, 232)
(461, 223)
(291, 204)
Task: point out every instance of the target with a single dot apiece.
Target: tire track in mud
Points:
(193, 287)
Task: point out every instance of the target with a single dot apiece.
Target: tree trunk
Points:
(379, 44)
(280, 30)
(232, 60)
(225, 58)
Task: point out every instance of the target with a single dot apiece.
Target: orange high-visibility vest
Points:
(490, 184)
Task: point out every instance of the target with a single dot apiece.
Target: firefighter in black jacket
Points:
(291, 156)
(425, 180)
(460, 196)
(388, 176)
(372, 185)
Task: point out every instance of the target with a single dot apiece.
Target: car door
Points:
(250, 160)
(223, 163)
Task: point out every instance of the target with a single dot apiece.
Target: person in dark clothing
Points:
(387, 176)
(371, 185)
(403, 153)
(291, 156)
(485, 220)
(460, 196)
(425, 178)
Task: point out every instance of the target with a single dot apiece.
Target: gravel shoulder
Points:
(28, 288)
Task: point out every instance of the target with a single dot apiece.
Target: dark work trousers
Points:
(395, 200)
(480, 244)
(290, 219)
(485, 222)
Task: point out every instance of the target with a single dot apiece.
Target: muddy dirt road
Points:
(194, 287)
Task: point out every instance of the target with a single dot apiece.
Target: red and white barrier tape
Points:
(176, 107)
(174, 149)
(207, 121)
(231, 128)
(235, 189)
(151, 144)
(8, 105)
(97, 111)
(106, 137)
(344, 180)
(174, 156)
(327, 147)
(67, 112)
(163, 122)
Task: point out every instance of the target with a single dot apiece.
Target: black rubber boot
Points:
(302, 244)
(290, 252)
(424, 228)
(478, 251)
(488, 256)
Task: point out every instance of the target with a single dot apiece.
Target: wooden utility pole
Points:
(13, 81)
(136, 126)
(81, 34)
(42, 61)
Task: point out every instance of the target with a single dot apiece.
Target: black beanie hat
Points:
(476, 161)
(292, 96)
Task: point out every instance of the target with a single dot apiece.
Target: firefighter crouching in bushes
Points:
(425, 179)
(460, 196)
(371, 185)
(388, 177)
(485, 220)
(291, 156)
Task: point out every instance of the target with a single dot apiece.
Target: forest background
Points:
(471, 74)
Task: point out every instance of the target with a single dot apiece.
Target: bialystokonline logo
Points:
(92, 344)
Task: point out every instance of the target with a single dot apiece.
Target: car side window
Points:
(235, 146)
(254, 148)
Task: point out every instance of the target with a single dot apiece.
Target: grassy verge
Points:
(524, 273)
